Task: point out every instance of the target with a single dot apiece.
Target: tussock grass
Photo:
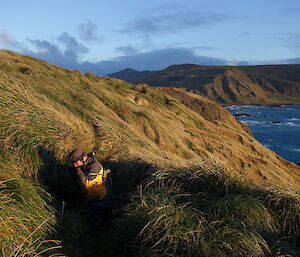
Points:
(162, 208)
(201, 212)
(26, 213)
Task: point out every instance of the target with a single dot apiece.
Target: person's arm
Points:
(80, 175)
(93, 172)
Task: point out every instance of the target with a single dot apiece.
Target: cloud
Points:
(153, 60)
(87, 31)
(242, 63)
(8, 41)
(204, 48)
(67, 51)
(128, 49)
(68, 56)
(290, 61)
(172, 21)
(73, 47)
(53, 54)
(237, 63)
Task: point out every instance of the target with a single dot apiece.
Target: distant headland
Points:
(227, 85)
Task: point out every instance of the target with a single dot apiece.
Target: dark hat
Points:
(76, 155)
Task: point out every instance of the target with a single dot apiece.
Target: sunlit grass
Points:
(173, 193)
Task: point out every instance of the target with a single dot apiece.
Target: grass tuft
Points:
(174, 190)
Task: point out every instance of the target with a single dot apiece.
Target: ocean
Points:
(277, 128)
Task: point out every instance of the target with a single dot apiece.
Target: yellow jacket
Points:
(90, 176)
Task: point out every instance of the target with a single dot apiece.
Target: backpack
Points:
(107, 179)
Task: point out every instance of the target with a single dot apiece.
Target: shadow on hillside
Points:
(126, 175)
(78, 235)
(214, 194)
(58, 177)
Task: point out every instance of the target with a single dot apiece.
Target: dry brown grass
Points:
(46, 111)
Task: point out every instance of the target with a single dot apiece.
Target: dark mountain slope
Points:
(133, 75)
(274, 84)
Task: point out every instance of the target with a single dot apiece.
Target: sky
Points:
(104, 36)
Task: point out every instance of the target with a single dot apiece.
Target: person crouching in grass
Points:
(90, 175)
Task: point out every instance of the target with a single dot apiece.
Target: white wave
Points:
(297, 150)
(266, 145)
(254, 122)
(243, 106)
(293, 119)
(292, 124)
(251, 106)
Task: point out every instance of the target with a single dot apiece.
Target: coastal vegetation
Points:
(188, 178)
(227, 85)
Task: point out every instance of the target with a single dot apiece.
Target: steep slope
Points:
(209, 110)
(164, 156)
(277, 84)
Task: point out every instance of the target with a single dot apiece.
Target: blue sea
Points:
(277, 128)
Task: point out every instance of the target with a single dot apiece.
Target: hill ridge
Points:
(228, 85)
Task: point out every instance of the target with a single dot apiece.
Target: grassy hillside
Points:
(273, 84)
(187, 180)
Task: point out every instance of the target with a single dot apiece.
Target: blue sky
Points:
(107, 36)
